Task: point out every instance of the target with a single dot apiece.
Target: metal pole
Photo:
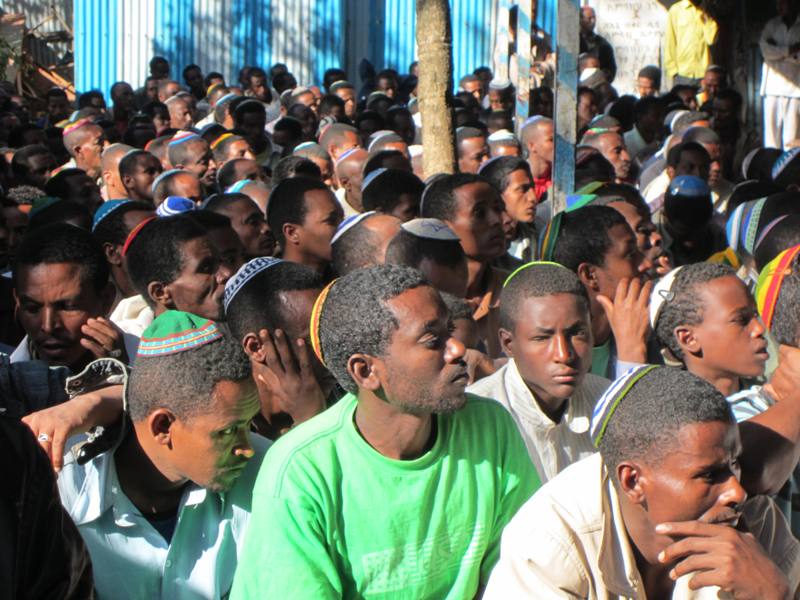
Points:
(523, 83)
(567, 48)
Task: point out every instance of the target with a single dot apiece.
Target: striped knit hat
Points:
(610, 400)
(176, 331)
(769, 284)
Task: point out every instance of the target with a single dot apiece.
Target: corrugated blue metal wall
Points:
(309, 35)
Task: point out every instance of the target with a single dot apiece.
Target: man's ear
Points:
(159, 424)
(127, 181)
(106, 176)
(113, 254)
(365, 371)
(159, 293)
(587, 273)
(687, 340)
(291, 232)
(506, 342)
(630, 479)
(671, 173)
(253, 348)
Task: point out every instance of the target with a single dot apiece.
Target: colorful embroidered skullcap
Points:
(342, 84)
(75, 125)
(219, 140)
(134, 232)
(533, 263)
(347, 153)
(501, 135)
(742, 226)
(316, 312)
(661, 294)
(372, 176)
(547, 241)
(105, 209)
(610, 400)
(175, 205)
(430, 229)
(238, 186)
(182, 137)
(770, 281)
(349, 223)
(176, 331)
(725, 257)
(767, 228)
(245, 273)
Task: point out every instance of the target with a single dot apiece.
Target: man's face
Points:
(188, 186)
(211, 449)
(407, 207)
(199, 287)
(474, 88)
(123, 96)
(194, 79)
(519, 197)
(551, 345)
(622, 261)
(159, 69)
(648, 238)
(500, 99)
(472, 153)
(403, 125)
(151, 89)
(57, 108)
(180, 114)
(323, 215)
(325, 167)
(696, 478)
(252, 125)
(91, 150)
(387, 85)
(724, 112)
(83, 190)
(477, 222)
(259, 88)
(542, 142)
(53, 302)
(239, 149)
(423, 368)
(140, 183)
(588, 19)
(730, 320)
(612, 146)
(16, 226)
(249, 224)
(587, 108)
(349, 97)
(229, 248)
(693, 163)
(715, 166)
(39, 167)
(712, 83)
(689, 99)
(200, 161)
(646, 87)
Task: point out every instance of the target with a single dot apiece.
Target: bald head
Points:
(85, 144)
(258, 191)
(167, 89)
(537, 137)
(180, 112)
(181, 183)
(338, 139)
(109, 163)
(349, 173)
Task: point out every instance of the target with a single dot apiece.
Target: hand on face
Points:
(720, 555)
(103, 339)
(289, 376)
(629, 317)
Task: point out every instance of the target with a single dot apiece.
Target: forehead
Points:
(53, 275)
(700, 444)
(321, 200)
(726, 293)
(416, 307)
(232, 401)
(621, 235)
(544, 311)
(196, 248)
(611, 140)
(472, 193)
(187, 184)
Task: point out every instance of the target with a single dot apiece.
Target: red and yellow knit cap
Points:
(313, 329)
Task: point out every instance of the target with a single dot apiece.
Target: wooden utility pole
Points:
(435, 51)
(526, 11)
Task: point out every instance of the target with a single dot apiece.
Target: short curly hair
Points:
(786, 316)
(685, 307)
(645, 423)
(184, 382)
(355, 318)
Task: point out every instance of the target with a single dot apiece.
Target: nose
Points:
(243, 447)
(562, 351)
(223, 274)
(49, 320)
(733, 494)
(454, 351)
(264, 228)
(757, 328)
(655, 239)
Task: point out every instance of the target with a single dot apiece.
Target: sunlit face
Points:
(519, 197)
(212, 449)
(477, 221)
(199, 287)
(473, 152)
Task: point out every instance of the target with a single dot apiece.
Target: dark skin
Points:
(422, 373)
(681, 507)
(113, 252)
(139, 184)
(309, 243)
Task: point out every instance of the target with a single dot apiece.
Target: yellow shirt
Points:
(569, 542)
(690, 32)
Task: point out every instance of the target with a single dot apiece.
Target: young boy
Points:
(545, 329)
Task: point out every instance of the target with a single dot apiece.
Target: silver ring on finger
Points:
(43, 437)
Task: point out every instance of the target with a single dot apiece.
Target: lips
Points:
(462, 377)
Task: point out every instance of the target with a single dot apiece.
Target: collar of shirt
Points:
(493, 284)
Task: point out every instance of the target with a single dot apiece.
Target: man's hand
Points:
(629, 319)
(722, 556)
(784, 385)
(55, 425)
(479, 365)
(662, 265)
(289, 377)
(103, 339)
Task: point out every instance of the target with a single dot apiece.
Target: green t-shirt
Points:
(333, 518)
(600, 356)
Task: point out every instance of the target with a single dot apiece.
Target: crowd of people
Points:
(252, 349)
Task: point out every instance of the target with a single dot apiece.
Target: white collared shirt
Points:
(569, 541)
(132, 315)
(131, 559)
(551, 446)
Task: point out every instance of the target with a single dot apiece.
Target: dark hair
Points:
(257, 304)
(333, 75)
(20, 165)
(652, 73)
(676, 152)
(130, 162)
(208, 220)
(211, 76)
(112, 230)
(55, 92)
(498, 170)
(786, 316)
(685, 307)
(732, 95)
(537, 281)
(646, 105)
(584, 236)
(384, 193)
(61, 212)
(85, 99)
(287, 203)
(354, 249)
(191, 67)
(782, 235)
(328, 103)
(295, 166)
(440, 195)
(458, 308)
(63, 243)
(622, 192)
(355, 319)
(227, 176)
(411, 250)
(646, 423)
(155, 254)
(184, 382)
(591, 166)
(381, 160)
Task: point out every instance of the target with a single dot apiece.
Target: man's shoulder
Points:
(487, 387)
